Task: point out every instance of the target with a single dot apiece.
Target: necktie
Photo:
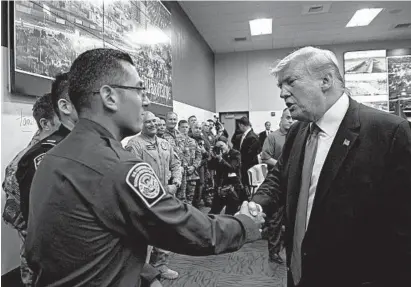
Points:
(301, 217)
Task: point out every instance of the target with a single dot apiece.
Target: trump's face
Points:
(302, 93)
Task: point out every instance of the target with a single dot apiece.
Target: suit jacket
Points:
(359, 233)
(262, 136)
(249, 151)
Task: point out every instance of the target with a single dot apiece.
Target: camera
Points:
(217, 150)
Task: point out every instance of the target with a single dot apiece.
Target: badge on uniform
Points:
(164, 145)
(37, 160)
(151, 147)
(145, 183)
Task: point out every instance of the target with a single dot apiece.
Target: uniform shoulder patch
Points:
(37, 160)
(145, 183)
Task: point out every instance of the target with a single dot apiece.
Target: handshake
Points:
(254, 211)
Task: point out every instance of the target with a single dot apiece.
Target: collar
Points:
(246, 132)
(331, 120)
(86, 124)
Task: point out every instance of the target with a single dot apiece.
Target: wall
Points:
(243, 81)
(193, 62)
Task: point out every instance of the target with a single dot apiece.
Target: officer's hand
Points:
(172, 189)
(255, 212)
(156, 283)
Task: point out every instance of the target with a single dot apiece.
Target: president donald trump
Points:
(344, 177)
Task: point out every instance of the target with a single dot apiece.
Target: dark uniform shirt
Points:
(95, 208)
(29, 163)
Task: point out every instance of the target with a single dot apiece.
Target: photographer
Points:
(229, 190)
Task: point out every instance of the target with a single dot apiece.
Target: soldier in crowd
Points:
(191, 121)
(190, 160)
(204, 146)
(207, 133)
(159, 154)
(47, 123)
(161, 126)
(100, 200)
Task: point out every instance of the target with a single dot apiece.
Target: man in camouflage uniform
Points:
(176, 140)
(159, 154)
(191, 160)
(47, 123)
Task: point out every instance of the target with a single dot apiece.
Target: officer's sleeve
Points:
(156, 218)
(175, 167)
(135, 148)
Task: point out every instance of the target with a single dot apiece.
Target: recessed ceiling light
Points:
(363, 17)
(261, 27)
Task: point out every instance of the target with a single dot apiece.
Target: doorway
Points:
(230, 121)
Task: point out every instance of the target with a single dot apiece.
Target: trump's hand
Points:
(252, 210)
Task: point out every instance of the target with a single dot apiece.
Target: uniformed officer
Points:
(95, 207)
(191, 161)
(31, 160)
(161, 127)
(158, 153)
(47, 122)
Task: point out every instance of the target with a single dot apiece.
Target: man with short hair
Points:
(159, 154)
(161, 127)
(99, 200)
(264, 134)
(272, 148)
(191, 121)
(249, 148)
(212, 127)
(207, 133)
(190, 161)
(47, 123)
(344, 179)
(273, 145)
(32, 159)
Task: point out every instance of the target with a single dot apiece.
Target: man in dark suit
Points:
(263, 135)
(249, 148)
(344, 177)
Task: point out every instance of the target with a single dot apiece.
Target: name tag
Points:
(232, 174)
(151, 147)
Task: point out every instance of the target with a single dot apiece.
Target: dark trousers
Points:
(231, 201)
(274, 233)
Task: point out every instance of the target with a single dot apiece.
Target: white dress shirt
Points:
(329, 125)
(244, 135)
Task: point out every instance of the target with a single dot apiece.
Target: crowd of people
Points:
(91, 212)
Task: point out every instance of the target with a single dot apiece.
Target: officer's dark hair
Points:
(59, 90)
(193, 116)
(43, 109)
(267, 122)
(210, 120)
(244, 121)
(182, 122)
(93, 69)
(162, 118)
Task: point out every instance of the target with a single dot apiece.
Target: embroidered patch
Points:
(145, 183)
(151, 147)
(164, 145)
(37, 160)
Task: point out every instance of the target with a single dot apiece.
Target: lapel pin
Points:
(346, 142)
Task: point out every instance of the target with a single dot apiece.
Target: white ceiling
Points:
(220, 22)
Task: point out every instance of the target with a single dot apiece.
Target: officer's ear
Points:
(109, 98)
(65, 107)
(45, 124)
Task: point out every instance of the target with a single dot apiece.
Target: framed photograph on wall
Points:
(399, 79)
(366, 77)
(49, 35)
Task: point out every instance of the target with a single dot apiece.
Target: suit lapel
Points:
(344, 140)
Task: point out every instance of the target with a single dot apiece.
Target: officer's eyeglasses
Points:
(140, 88)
